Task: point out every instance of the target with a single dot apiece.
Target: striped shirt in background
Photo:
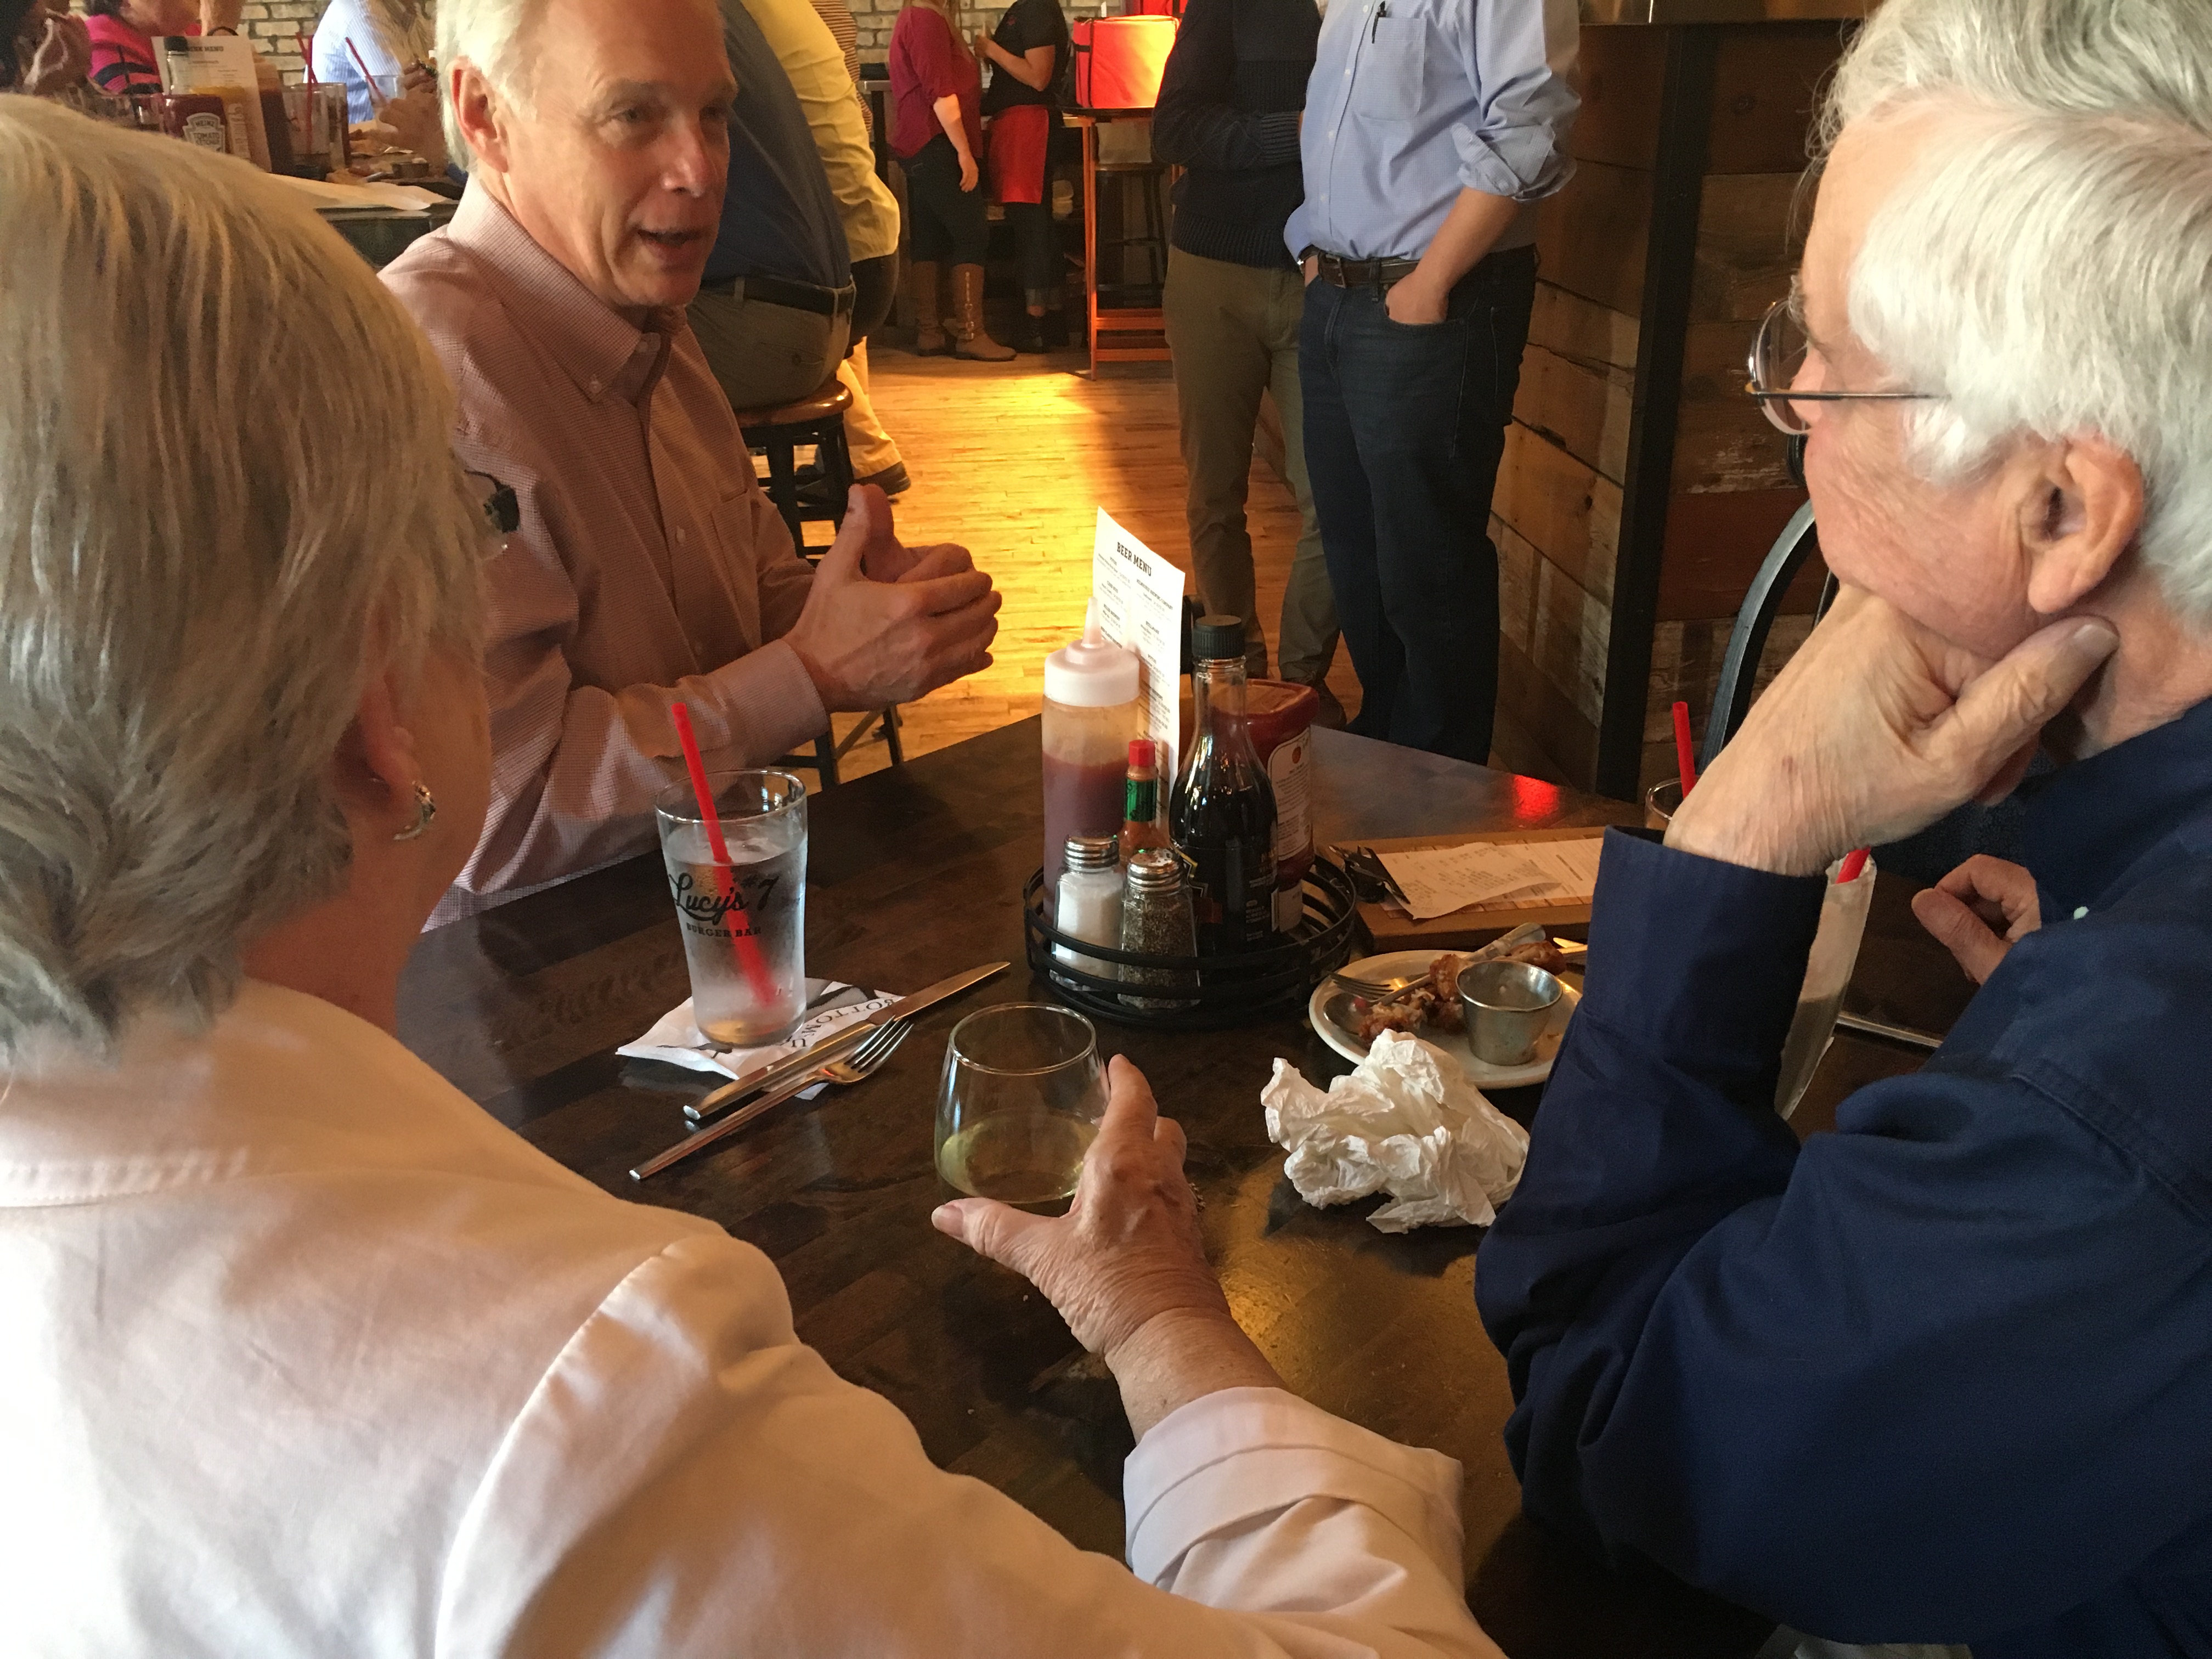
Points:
(839, 17)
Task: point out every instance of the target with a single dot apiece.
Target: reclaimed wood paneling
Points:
(1570, 510)
(1624, 79)
(1592, 235)
(1767, 86)
(1749, 238)
(1583, 407)
(1715, 545)
(1545, 713)
(1581, 330)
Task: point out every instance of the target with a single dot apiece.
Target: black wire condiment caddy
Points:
(1228, 990)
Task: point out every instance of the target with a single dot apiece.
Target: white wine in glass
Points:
(1023, 1094)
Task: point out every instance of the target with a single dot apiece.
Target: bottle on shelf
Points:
(1092, 710)
(1223, 814)
(1140, 808)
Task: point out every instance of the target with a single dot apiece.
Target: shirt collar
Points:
(2104, 824)
(605, 354)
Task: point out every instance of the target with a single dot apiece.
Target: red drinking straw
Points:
(1683, 751)
(1854, 866)
(374, 102)
(750, 962)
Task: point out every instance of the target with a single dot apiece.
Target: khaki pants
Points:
(764, 354)
(873, 450)
(1234, 333)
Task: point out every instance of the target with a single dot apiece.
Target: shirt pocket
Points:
(1388, 82)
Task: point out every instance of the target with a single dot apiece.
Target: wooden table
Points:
(915, 872)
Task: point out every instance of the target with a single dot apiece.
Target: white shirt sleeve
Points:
(688, 1478)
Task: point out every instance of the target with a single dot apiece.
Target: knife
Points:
(837, 1044)
(758, 1106)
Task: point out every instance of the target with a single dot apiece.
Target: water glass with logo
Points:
(1022, 1096)
(744, 921)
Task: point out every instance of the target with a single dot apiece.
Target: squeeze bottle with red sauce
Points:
(1092, 710)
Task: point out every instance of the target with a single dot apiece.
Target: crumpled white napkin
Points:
(1404, 1120)
(676, 1039)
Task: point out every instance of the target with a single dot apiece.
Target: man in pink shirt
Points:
(649, 567)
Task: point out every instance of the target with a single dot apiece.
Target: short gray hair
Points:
(488, 34)
(226, 455)
(2045, 273)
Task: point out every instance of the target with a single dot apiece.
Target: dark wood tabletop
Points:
(916, 873)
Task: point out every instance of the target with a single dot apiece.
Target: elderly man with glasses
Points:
(1943, 1375)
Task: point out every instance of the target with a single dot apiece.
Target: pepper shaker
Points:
(1157, 921)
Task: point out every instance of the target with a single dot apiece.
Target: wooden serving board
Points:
(1391, 929)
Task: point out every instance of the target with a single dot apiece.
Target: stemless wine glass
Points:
(1023, 1094)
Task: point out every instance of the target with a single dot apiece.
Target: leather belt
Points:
(781, 291)
(1378, 274)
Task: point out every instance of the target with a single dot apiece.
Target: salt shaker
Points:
(1157, 921)
(1089, 906)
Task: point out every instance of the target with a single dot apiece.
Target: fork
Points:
(857, 1066)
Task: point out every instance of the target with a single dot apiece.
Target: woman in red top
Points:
(123, 33)
(937, 133)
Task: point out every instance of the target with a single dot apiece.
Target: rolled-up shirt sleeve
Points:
(1521, 58)
(689, 1479)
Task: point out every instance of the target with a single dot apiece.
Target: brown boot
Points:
(930, 339)
(968, 339)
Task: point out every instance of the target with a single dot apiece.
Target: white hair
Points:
(226, 455)
(2044, 271)
(488, 35)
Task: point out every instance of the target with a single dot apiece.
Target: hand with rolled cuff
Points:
(1966, 909)
(1878, 728)
(886, 624)
(1126, 1265)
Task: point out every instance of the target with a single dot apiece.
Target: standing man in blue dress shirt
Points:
(1432, 128)
(1945, 1374)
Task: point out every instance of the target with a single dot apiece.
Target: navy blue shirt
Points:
(1945, 1374)
(779, 216)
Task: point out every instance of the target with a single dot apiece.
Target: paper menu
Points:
(1138, 598)
(1439, 880)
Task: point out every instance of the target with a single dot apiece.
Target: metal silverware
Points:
(1900, 1034)
(861, 1064)
(839, 1043)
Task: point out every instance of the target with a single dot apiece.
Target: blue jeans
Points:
(1405, 425)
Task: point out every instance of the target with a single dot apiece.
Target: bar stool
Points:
(817, 419)
(778, 433)
(1152, 233)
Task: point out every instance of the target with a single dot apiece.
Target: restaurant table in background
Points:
(915, 872)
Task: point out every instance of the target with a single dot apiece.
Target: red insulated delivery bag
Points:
(1119, 61)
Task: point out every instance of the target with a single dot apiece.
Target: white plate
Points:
(1345, 1040)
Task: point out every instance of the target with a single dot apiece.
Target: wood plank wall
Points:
(1557, 513)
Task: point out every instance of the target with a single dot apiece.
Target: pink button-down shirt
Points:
(650, 567)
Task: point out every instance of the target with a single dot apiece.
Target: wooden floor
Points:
(1013, 461)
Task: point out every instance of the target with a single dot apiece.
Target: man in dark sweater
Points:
(1229, 114)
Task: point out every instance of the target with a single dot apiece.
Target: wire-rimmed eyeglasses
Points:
(1778, 357)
